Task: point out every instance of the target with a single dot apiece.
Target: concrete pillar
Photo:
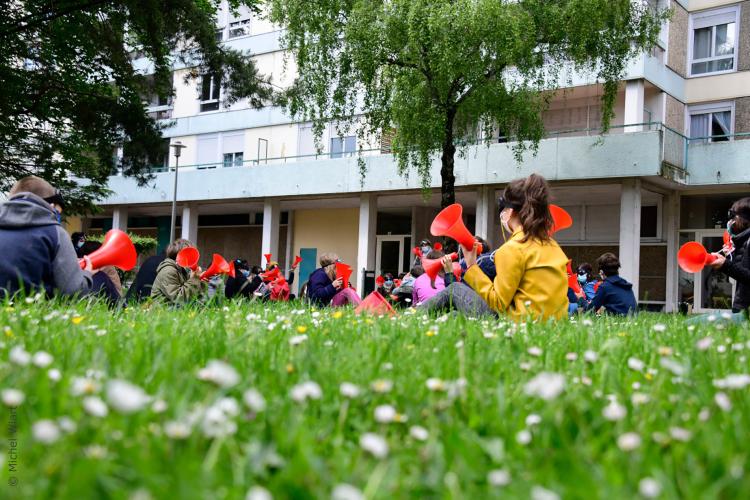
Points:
(367, 241)
(120, 218)
(671, 227)
(630, 232)
(189, 223)
(634, 103)
(289, 240)
(271, 222)
(486, 217)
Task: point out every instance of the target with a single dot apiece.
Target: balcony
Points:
(652, 150)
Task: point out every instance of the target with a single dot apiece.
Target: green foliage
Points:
(690, 445)
(439, 72)
(71, 93)
(143, 244)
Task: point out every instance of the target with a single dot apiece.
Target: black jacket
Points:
(738, 268)
(144, 280)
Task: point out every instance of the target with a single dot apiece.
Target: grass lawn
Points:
(250, 400)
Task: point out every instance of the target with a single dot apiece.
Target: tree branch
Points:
(31, 21)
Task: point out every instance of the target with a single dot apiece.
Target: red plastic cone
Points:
(219, 265)
(375, 304)
(693, 257)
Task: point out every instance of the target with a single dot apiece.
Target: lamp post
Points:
(178, 146)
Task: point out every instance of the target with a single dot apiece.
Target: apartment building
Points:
(253, 182)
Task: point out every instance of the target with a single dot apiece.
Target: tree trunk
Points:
(448, 184)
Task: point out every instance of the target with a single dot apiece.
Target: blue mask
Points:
(581, 278)
(730, 223)
(245, 272)
(80, 244)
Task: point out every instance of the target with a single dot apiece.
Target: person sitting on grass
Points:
(403, 294)
(615, 294)
(737, 266)
(424, 287)
(37, 252)
(324, 288)
(141, 287)
(245, 282)
(175, 284)
(106, 283)
(531, 279)
(588, 284)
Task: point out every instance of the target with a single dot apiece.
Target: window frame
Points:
(214, 80)
(242, 23)
(735, 9)
(710, 108)
(233, 163)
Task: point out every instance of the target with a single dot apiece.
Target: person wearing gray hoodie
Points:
(37, 254)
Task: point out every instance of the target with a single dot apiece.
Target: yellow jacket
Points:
(531, 280)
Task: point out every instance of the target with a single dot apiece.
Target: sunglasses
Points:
(502, 204)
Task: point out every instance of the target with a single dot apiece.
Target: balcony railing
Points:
(674, 148)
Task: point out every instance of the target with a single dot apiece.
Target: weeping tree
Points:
(436, 74)
(71, 91)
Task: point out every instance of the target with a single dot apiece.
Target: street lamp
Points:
(178, 146)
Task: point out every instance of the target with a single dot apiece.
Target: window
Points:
(232, 159)
(713, 41)
(711, 122)
(210, 90)
(306, 140)
(343, 146)
(220, 35)
(239, 28)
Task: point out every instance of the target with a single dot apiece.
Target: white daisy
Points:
(636, 364)
(13, 397)
(349, 390)
(125, 397)
(95, 407)
(45, 431)
(649, 487)
(614, 411)
(498, 477)
(546, 385)
(419, 433)
(254, 400)
(374, 445)
(629, 441)
(42, 359)
(345, 491)
(219, 373)
(19, 356)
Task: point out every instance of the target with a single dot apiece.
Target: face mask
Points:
(426, 250)
(505, 220)
(58, 215)
(581, 278)
(602, 276)
(730, 224)
(245, 272)
(80, 244)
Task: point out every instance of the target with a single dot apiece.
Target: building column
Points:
(634, 103)
(671, 228)
(486, 216)
(120, 218)
(189, 223)
(289, 240)
(630, 232)
(367, 239)
(271, 222)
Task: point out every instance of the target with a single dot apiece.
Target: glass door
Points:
(389, 255)
(713, 290)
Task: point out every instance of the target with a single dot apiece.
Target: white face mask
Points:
(426, 250)
(505, 216)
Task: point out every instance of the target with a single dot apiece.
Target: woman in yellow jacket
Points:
(531, 280)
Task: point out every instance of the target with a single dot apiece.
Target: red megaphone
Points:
(417, 251)
(457, 271)
(374, 304)
(268, 258)
(573, 278)
(297, 260)
(232, 271)
(560, 217)
(437, 246)
(344, 272)
(693, 257)
(271, 275)
(188, 257)
(116, 250)
(218, 266)
(449, 223)
(380, 281)
(433, 266)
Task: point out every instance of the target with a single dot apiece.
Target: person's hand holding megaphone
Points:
(447, 264)
(89, 267)
(720, 259)
(338, 283)
(470, 256)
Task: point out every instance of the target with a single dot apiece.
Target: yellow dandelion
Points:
(301, 329)
(430, 333)
(337, 314)
(9, 309)
(622, 334)
(649, 376)
(289, 368)
(8, 332)
(369, 321)
(400, 418)
(77, 319)
(191, 314)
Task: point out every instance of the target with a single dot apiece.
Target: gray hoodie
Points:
(36, 251)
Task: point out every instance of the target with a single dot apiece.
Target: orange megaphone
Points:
(449, 223)
(218, 266)
(374, 304)
(560, 217)
(232, 271)
(693, 257)
(344, 272)
(188, 257)
(433, 266)
(297, 260)
(116, 250)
